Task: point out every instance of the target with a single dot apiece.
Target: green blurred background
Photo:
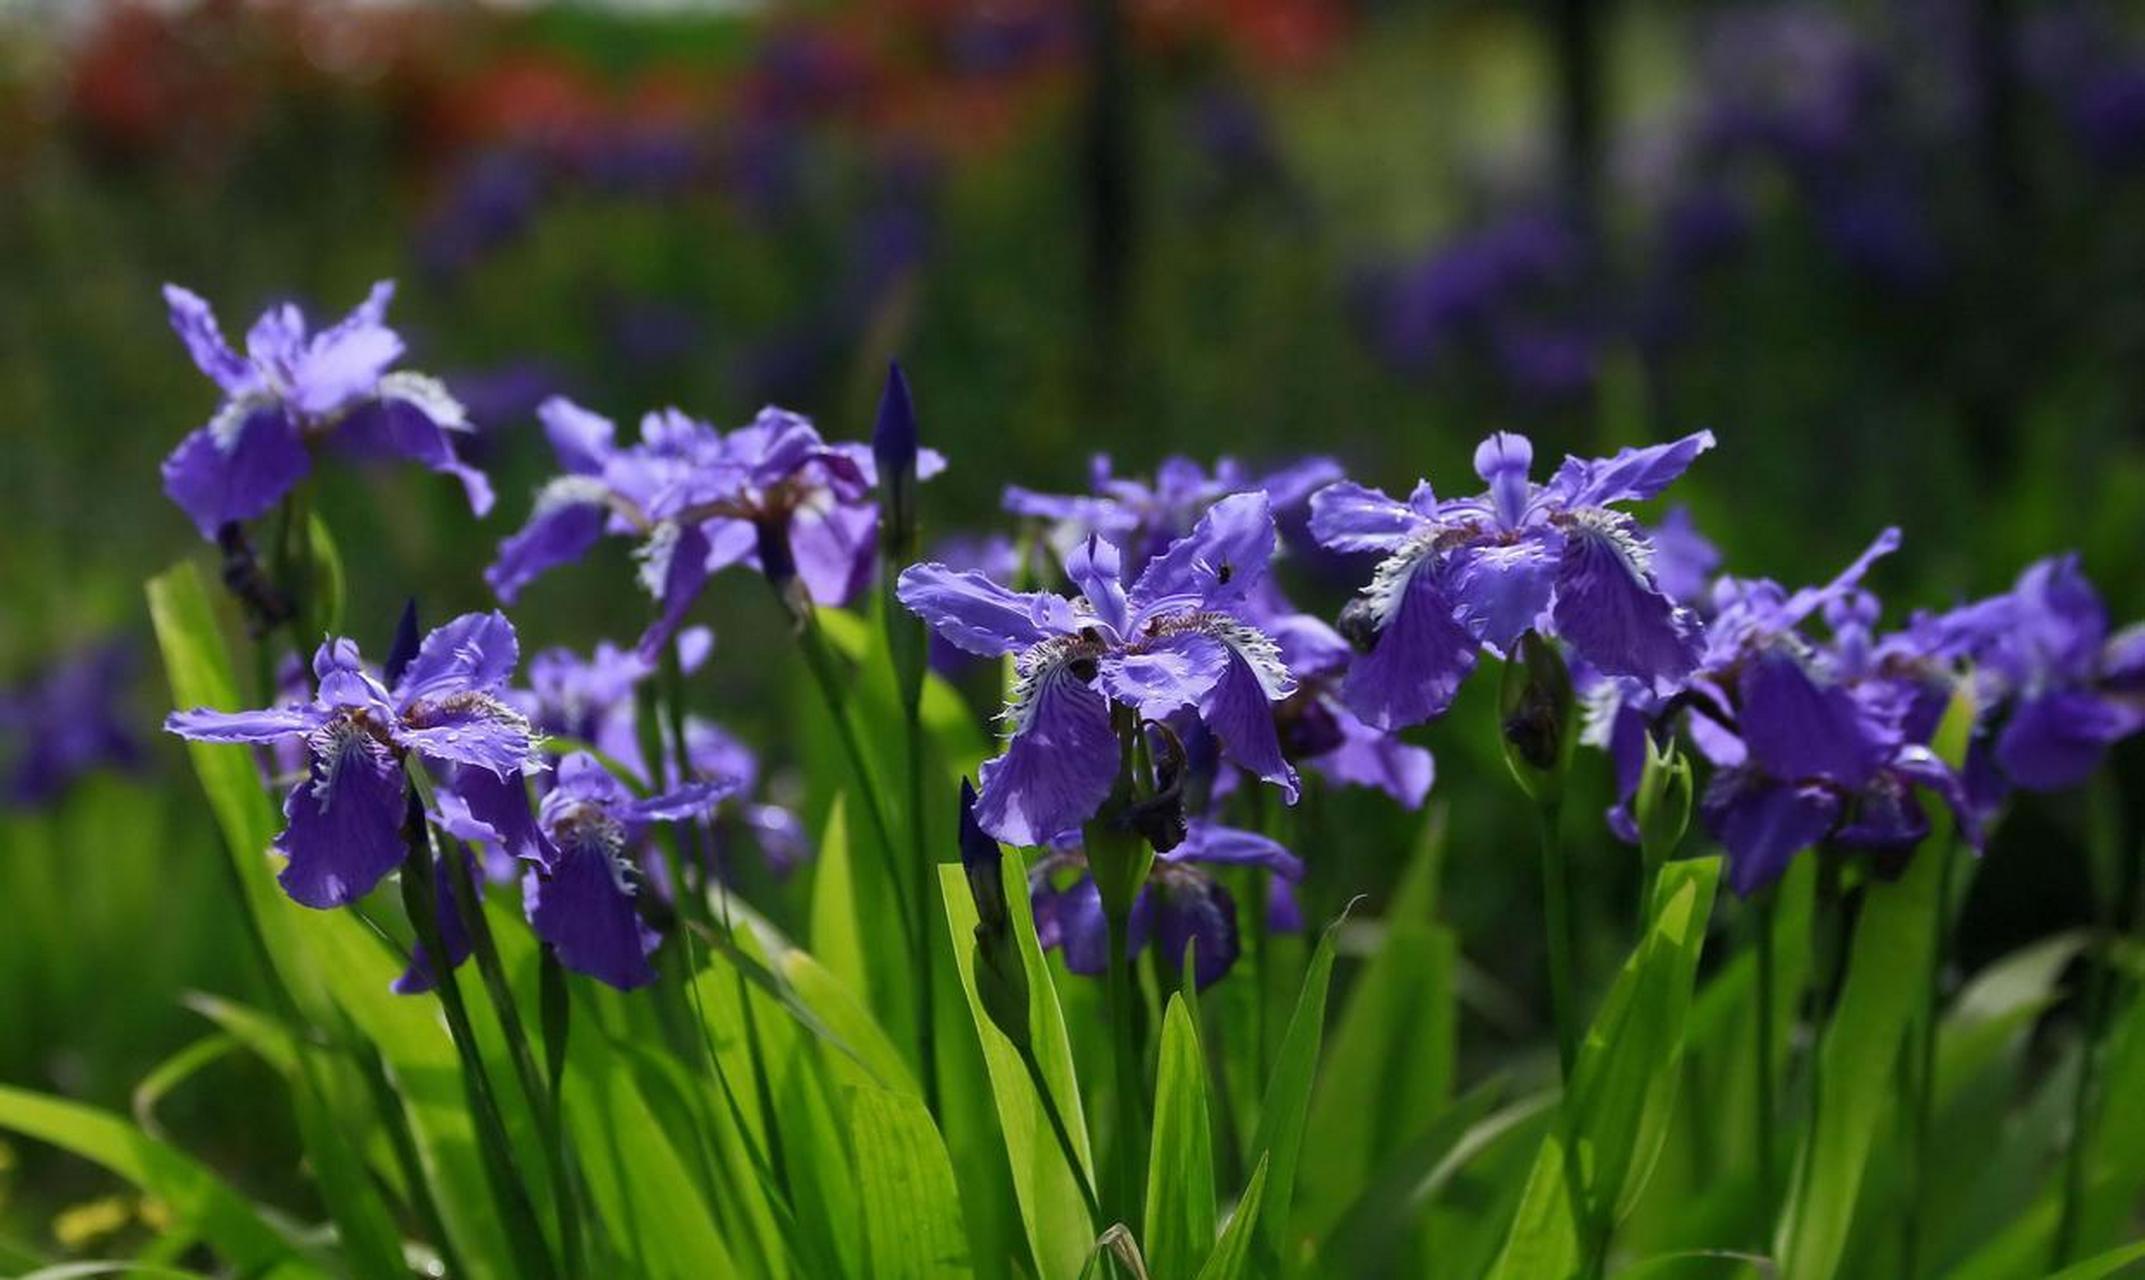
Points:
(1891, 251)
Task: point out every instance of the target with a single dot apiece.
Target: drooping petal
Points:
(421, 976)
(195, 322)
(1419, 660)
(474, 653)
(1795, 728)
(2057, 740)
(582, 439)
(501, 805)
(237, 467)
(343, 828)
(1762, 824)
(1367, 757)
(1239, 708)
(471, 729)
(567, 521)
(204, 725)
(1609, 610)
(1057, 767)
(1350, 517)
(1193, 912)
(410, 416)
(978, 615)
(1633, 475)
(1501, 589)
(674, 567)
(1224, 556)
(584, 910)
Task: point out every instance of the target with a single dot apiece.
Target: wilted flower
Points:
(772, 494)
(1466, 572)
(344, 820)
(293, 389)
(1178, 639)
(1181, 903)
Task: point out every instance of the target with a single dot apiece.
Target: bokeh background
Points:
(1891, 251)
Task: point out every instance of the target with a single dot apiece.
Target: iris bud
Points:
(893, 448)
(1001, 976)
(1535, 706)
(1663, 803)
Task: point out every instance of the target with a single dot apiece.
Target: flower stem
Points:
(518, 1216)
(2123, 868)
(1923, 1075)
(1128, 1148)
(1768, 1168)
(1564, 1009)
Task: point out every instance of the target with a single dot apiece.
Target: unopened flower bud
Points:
(1536, 717)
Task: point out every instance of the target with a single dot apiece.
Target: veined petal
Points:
(1367, 757)
(674, 567)
(687, 801)
(237, 467)
(1501, 589)
(1224, 556)
(1193, 912)
(834, 548)
(2056, 741)
(1057, 767)
(195, 322)
(1633, 475)
(1239, 707)
(1503, 461)
(474, 653)
(978, 615)
(584, 910)
(1164, 675)
(1349, 517)
(1795, 728)
(1421, 655)
(568, 520)
(501, 805)
(1608, 608)
(1210, 842)
(204, 725)
(1762, 824)
(583, 439)
(410, 416)
(470, 729)
(343, 829)
(421, 976)
(1096, 567)
(341, 366)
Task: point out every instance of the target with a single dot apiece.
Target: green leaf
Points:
(1279, 1138)
(199, 1202)
(2107, 1264)
(912, 1208)
(1543, 1243)
(1180, 1170)
(1232, 1254)
(1059, 1233)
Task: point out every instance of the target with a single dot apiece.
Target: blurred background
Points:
(1891, 251)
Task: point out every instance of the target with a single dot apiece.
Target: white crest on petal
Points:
(230, 421)
(429, 396)
(655, 556)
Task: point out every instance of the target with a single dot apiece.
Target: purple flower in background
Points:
(68, 722)
(1180, 904)
(1465, 572)
(580, 902)
(1141, 519)
(343, 829)
(1315, 724)
(2046, 666)
(1684, 560)
(293, 388)
(1178, 639)
(771, 494)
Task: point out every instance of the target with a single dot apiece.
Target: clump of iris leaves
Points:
(1058, 1010)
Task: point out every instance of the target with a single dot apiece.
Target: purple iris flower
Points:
(1143, 518)
(343, 829)
(1684, 559)
(69, 722)
(1316, 726)
(293, 388)
(1181, 903)
(771, 494)
(995, 557)
(2046, 664)
(1178, 639)
(1465, 572)
(580, 901)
